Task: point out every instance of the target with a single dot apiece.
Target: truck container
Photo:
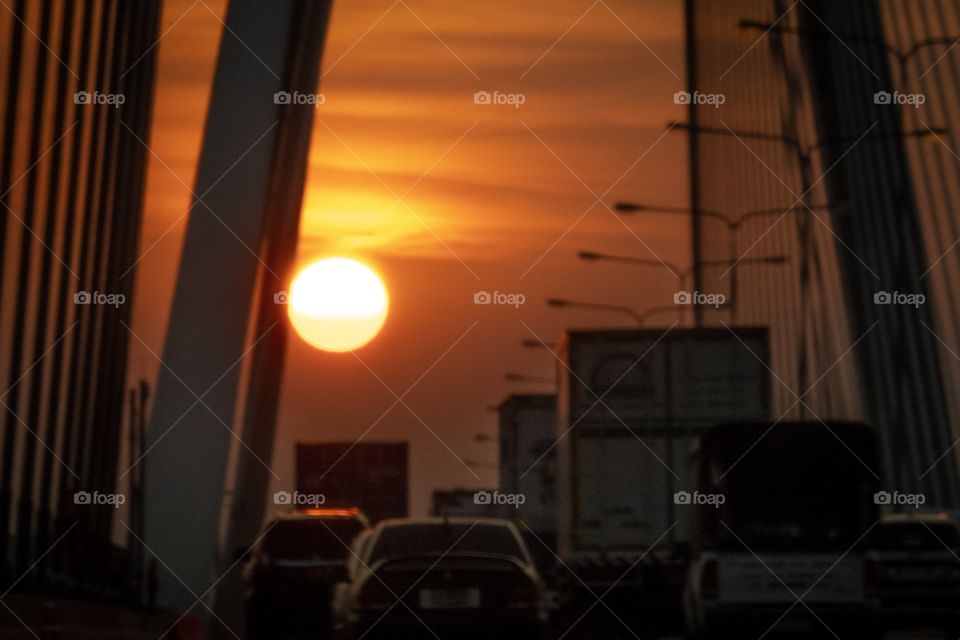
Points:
(527, 425)
(370, 475)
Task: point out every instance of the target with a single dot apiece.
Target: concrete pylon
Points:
(246, 156)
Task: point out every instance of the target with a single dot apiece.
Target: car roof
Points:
(400, 522)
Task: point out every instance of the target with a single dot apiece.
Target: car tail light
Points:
(374, 595)
(525, 594)
(709, 579)
(871, 577)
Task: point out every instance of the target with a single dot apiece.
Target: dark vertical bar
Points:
(136, 83)
(6, 173)
(84, 164)
(694, 157)
(82, 346)
(30, 218)
(59, 424)
(26, 533)
(101, 381)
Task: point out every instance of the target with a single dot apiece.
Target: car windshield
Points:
(311, 538)
(439, 538)
(915, 536)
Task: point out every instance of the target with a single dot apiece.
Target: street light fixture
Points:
(593, 256)
(530, 343)
(805, 153)
(684, 274)
(522, 377)
(639, 318)
(733, 221)
(902, 55)
(478, 464)
(561, 303)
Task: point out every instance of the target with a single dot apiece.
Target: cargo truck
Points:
(629, 405)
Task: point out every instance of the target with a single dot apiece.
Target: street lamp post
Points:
(733, 222)
(684, 274)
(804, 156)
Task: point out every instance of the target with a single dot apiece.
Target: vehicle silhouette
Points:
(441, 578)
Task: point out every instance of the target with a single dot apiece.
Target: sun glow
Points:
(338, 304)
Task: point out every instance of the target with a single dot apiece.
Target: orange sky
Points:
(494, 197)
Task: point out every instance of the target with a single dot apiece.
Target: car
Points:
(442, 578)
(919, 571)
(291, 572)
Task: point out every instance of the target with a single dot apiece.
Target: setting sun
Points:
(338, 304)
